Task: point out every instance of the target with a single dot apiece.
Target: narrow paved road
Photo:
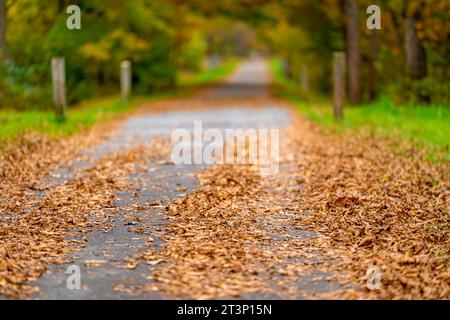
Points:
(105, 258)
(346, 216)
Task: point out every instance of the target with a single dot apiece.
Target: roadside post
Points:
(59, 87)
(125, 80)
(339, 84)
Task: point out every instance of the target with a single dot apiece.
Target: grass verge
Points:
(427, 126)
(13, 123)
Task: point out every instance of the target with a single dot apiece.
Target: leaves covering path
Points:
(340, 203)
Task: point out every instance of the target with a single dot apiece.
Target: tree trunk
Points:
(353, 53)
(416, 58)
(397, 26)
(2, 28)
(372, 67)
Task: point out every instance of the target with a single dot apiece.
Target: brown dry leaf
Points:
(95, 263)
(33, 234)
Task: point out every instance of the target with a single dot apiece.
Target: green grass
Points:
(427, 126)
(14, 123)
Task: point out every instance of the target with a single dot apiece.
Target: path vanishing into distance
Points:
(344, 215)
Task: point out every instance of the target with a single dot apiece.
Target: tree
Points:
(3, 28)
(372, 65)
(416, 57)
(353, 52)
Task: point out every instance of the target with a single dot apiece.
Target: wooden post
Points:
(304, 80)
(59, 88)
(125, 80)
(339, 84)
(2, 30)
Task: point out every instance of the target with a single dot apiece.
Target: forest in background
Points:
(407, 60)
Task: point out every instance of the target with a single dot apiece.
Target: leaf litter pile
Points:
(366, 202)
(41, 222)
(41, 229)
(375, 202)
(211, 250)
(339, 204)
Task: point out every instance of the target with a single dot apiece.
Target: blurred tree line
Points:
(407, 59)
(158, 37)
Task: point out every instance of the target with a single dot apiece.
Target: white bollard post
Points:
(339, 84)
(125, 80)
